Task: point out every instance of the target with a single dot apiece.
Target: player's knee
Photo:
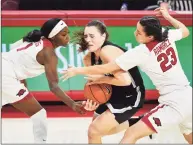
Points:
(94, 130)
(40, 126)
(40, 116)
(133, 133)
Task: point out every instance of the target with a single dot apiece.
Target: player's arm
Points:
(87, 62)
(126, 61)
(178, 25)
(93, 70)
(121, 78)
(50, 63)
(163, 10)
(97, 69)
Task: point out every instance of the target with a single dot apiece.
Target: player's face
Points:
(62, 38)
(94, 38)
(140, 35)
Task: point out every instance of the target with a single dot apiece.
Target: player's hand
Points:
(70, 72)
(78, 107)
(163, 10)
(90, 105)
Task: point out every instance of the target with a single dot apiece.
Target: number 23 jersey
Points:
(160, 61)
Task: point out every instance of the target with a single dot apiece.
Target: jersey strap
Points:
(47, 43)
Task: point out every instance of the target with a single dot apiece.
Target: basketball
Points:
(99, 93)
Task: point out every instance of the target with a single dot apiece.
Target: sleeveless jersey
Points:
(23, 59)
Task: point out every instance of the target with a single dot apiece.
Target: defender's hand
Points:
(78, 107)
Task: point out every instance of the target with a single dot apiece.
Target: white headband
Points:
(61, 24)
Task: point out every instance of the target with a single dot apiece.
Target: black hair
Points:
(78, 36)
(45, 30)
(153, 27)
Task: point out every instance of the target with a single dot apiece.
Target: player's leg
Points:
(16, 94)
(30, 106)
(186, 128)
(186, 125)
(100, 126)
(116, 129)
(92, 135)
(125, 120)
(123, 111)
(159, 118)
(121, 126)
(188, 138)
(108, 123)
(132, 133)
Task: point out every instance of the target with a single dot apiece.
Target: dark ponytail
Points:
(33, 36)
(153, 27)
(165, 34)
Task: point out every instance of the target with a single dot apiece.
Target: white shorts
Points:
(172, 113)
(12, 89)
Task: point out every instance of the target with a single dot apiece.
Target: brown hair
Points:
(78, 36)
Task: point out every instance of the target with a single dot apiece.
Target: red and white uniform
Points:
(160, 61)
(18, 64)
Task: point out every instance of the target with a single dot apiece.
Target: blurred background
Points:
(120, 16)
(182, 5)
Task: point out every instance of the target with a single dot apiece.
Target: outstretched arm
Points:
(50, 63)
(119, 76)
(91, 70)
(121, 63)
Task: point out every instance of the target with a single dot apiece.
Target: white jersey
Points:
(159, 61)
(23, 59)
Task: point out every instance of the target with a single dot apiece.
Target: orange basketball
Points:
(99, 93)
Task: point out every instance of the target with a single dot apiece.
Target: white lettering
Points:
(62, 58)
(71, 54)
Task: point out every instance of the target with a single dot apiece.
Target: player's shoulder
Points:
(48, 48)
(47, 44)
(110, 48)
(140, 48)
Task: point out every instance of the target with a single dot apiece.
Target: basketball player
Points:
(127, 87)
(32, 56)
(157, 56)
